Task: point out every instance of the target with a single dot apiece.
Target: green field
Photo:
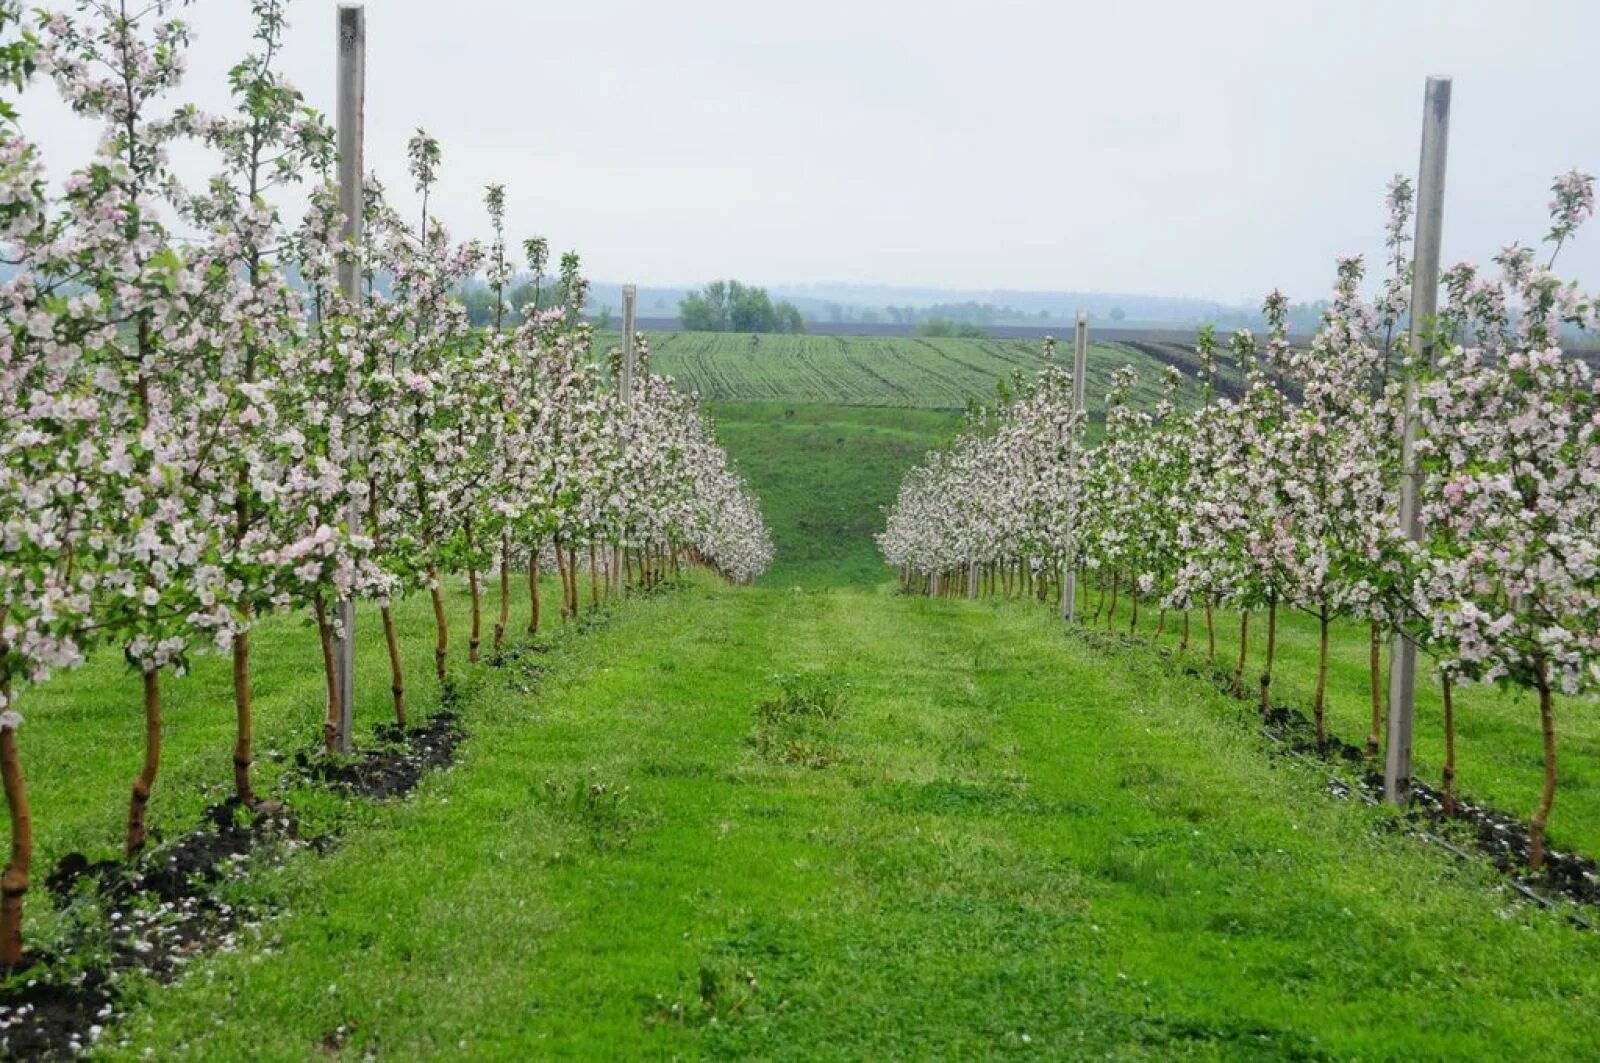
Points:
(876, 370)
(823, 474)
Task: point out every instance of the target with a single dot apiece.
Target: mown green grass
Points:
(902, 371)
(1499, 745)
(1004, 841)
(83, 738)
(824, 474)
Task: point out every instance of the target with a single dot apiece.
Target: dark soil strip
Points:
(155, 915)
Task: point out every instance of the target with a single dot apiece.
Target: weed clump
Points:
(602, 810)
(796, 726)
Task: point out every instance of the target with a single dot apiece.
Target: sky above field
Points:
(1215, 150)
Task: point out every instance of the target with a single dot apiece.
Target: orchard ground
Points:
(961, 832)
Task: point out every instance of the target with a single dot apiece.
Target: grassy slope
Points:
(822, 474)
(1023, 842)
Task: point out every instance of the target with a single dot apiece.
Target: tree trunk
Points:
(1183, 646)
(1321, 700)
(533, 592)
(1449, 745)
(1161, 623)
(1211, 636)
(14, 882)
(572, 579)
(1133, 599)
(1547, 796)
(561, 572)
(1111, 613)
(476, 635)
(1100, 603)
(594, 580)
(505, 592)
(152, 761)
(330, 669)
(1244, 647)
(242, 751)
(1375, 674)
(1272, 652)
(441, 646)
(397, 673)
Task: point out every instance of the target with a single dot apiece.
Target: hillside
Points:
(888, 370)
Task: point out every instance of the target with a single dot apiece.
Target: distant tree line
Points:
(536, 292)
(729, 306)
(943, 326)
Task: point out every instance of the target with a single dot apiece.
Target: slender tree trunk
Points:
(441, 647)
(14, 882)
(572, 577)
(561, 571)
(146, 781)
(242, 743)
(1100, 603)
(1321, 700)
(476, 635)
(1244, 647)
(1133, 600)
(505, 592)
(1161, 623)
(1272, 652)
(396, 669)
(594, 580)
(330, 669)
(1183, 646)
(1449, 745)
(533, 591)
(1547, 796)
(1211, 636)
(1111, 613)
(1375, 674)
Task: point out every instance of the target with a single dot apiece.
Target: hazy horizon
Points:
(1156, 149)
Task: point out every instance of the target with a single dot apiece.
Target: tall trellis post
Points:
(352, 43)
(1080, 367)
(1424, 310)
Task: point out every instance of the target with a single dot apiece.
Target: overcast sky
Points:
(1209, 149)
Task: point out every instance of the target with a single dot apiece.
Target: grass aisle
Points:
(1001, 840)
